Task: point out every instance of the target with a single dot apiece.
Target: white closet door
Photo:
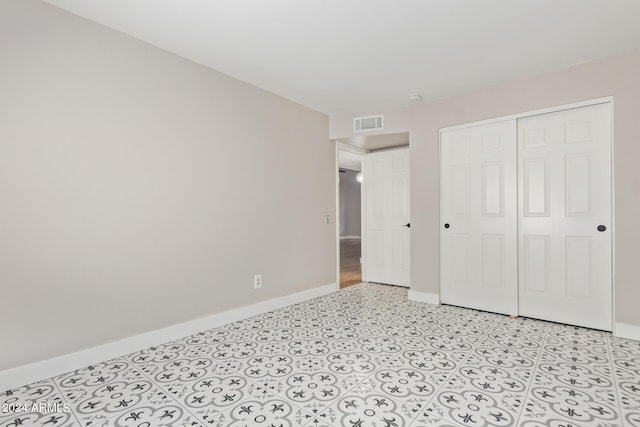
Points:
(387, 217)
(478, 237)
(565, 216)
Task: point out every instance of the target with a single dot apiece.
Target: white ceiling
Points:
(377, 142)
(355, 56)
(353, 161)
(348, 160)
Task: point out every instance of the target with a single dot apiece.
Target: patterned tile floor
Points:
(364, 356)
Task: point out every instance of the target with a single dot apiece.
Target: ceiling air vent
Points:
(364, 124)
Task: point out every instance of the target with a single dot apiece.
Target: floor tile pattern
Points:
(364, 356)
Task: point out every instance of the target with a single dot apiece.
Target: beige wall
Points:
(616, 76)
(118, 215)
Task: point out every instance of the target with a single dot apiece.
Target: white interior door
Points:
(387, 217)
(564, 201)
(478, 237)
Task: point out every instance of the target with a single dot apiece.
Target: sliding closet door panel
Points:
(564, 196)
(478, 217)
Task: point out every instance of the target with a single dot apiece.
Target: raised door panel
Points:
(565, 194)
(577, 185)
(460, 190)
(399, 196)
(478, 202)
(377, 248)
(493, 189)
(493, 261)
(398, 250)
(460, 258)
(535, 263)
(536, 187)
(578, 261)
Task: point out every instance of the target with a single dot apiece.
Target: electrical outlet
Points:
(257, 281)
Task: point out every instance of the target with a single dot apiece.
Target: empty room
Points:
(279, 213)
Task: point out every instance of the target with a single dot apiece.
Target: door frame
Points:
(341, 146)
(585, 103)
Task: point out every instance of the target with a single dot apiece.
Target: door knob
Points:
(408, 225)
(602, 228)
(447, 225)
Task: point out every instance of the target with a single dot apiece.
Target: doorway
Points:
(350, 217)
(354, 265)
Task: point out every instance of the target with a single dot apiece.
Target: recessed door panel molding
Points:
(491, 142)
(378, 244)
(377, 195)
(378, 168)
(534, 138)
(535, 263)
(459, 147)
(400, 164)
(493, 267)
(577, 184)
(478, 233)
(398, 258)
(576, 195)
(460, 268)
(578, 262)
(386, 239)
(577, 131)
(399, 196)
(460, 183)
(492, 189)
(536, 187)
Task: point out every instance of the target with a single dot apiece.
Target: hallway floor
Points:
(350, 267)
(363, 356)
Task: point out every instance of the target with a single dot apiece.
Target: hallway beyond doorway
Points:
(350, 267)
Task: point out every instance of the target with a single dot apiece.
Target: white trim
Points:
(338, 148)
(363, 219)
(350, 237)
(427, 297)
(440, 224)
(613, 218)
(530, 113)
(623, 330)
(27, 374)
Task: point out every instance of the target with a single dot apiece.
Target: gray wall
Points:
(350, 218)
(616, 76)
(118, 215)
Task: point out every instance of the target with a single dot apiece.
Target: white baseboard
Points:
(350, 237)
(424, 297)
(27, 374)
(623, 330)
